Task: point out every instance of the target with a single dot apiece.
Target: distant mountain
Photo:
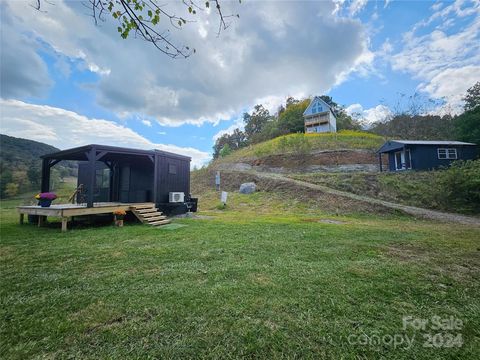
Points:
(18, 151)
(20, 164)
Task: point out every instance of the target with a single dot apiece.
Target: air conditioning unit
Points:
(176, 197)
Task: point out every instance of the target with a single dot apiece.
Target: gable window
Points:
(447, 153)
(316, 108)
(172, 169)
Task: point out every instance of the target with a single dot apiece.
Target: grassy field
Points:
(303, 143)
(268, 277)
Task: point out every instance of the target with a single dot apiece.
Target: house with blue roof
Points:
(319, 117)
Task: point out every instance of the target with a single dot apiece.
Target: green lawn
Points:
(259, 280)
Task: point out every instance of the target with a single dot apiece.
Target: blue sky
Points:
(68, 82)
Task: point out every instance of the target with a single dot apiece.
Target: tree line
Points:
(412, 122)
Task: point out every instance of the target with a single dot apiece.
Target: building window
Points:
(446, 153)
(316, 108)
(172, 169)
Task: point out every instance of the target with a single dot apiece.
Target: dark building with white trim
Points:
(425, 155)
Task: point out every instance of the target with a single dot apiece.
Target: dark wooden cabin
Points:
(425, 155)
(116, 174)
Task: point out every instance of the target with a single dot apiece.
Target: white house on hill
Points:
(319, 117)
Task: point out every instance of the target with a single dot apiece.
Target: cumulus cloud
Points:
(369, 116)
(147, 123)
(66, 129)
(22, 70)
(274, 49)
(446, 63)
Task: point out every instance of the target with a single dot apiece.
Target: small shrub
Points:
(458, 187)
(221, 206)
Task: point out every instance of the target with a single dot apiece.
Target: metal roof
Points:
(391, 145)
(78, 153)
(432, 142)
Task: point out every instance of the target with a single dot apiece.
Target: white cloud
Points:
(22, 70)
(447, 63)
(237, 124)
(147, 123)
(274, 49)
(356, 6)
(66, 129)
(369, 116)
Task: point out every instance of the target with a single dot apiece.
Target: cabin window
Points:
(445, 153)
(172, 169)
(102, 180)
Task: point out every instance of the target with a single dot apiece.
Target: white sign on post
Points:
(224, 197)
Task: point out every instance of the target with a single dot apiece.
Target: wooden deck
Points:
(66, 211)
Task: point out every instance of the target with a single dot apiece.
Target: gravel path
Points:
(412, 210)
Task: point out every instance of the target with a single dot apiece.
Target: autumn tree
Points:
(291, 120)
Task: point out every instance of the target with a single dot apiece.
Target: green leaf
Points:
(190, 9)
(150, 13)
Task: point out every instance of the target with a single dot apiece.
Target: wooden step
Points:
(152, 214)
(143, 206)
(161, 222)
(145, 211)
(155, 218)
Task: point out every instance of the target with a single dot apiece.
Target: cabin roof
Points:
(308, 113)
(397, 144)
(79, 153)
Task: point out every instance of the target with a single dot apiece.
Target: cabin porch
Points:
(145, 212)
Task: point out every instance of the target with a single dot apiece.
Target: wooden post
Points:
(21, 218)
(45, 185)
(380, 161)
(41, 220)
(64, 224)
(155, 177)
(91, 180)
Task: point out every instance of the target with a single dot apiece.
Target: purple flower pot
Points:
(45, 202)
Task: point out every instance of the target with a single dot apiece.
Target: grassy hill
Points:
(306, 143)
(20, 164)
(345, 161)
